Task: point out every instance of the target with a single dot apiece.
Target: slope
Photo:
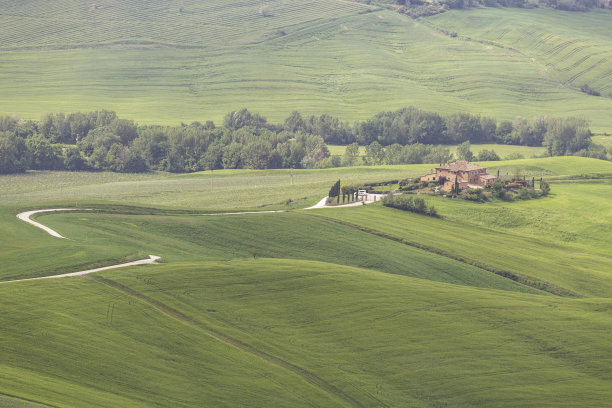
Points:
(157, 65)
(163, 335)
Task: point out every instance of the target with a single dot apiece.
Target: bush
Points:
(544, 188)
(487, 155)
(474, 194)
(526, 194)
(514, 156)
(406, 203)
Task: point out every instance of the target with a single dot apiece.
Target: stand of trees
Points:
(418, 8)
(102, 141)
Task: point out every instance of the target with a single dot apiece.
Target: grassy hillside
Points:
(295, 333)
(576, 53)
(496, 304)
(157, 65)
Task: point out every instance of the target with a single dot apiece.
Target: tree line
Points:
(419, 8)
(100, 140)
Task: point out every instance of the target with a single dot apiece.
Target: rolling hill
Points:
(503, 303)
(155, 64)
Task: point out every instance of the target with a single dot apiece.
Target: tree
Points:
(232, 156)
(438, 154)
(567, 136)
(45, 156)
(393, 154)
(239, 119)
(462, 127)
(294, 122)
(349, 158)
(464, 152)
(503, 134)
(127, 130)
(375, 153)
(315, 149)
(256, 154)
(14, 154)
(487, 155)
(334, 191)
(73, 160)
(7, 123)
(212, 159)
(489, 129)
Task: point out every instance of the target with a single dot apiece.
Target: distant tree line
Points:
(419, 8)
(100, 140)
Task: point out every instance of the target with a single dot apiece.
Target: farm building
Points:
(466, 174)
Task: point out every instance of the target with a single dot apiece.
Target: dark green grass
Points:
(280, 235)
(380, 339)
(570, 268)
(400, 341)
(376, 338)
(79, 343)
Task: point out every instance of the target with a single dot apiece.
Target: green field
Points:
(502, 150)
(498, 304)
(603, 140)
(154, 64)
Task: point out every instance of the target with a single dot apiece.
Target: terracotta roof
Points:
(460, 166)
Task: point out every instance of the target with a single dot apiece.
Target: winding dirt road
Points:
(25, 216)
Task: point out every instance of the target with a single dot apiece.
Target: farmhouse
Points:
(466, 174)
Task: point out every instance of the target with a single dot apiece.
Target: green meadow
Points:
(154, 64)
(502, 150)
(494, 304)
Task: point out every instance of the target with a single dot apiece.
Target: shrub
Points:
(487, 155)
(406, 203)
(526, 194)
(544, 188)
(474, 194)
(514, 156)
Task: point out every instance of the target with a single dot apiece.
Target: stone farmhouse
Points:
(468, 175)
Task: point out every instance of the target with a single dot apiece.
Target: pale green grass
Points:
(9, 402)
(502, 150)
(606, 141)
(238, 189)
(232, 189)
(155, 65)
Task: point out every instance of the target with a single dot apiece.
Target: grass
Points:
(606, 141)
(232, 189)
(109, 350)
(372, 338)
(156, 65)
(363, 306)
(502, 150)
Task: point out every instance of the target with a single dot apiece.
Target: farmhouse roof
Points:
(460, 166)
(488, 176)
